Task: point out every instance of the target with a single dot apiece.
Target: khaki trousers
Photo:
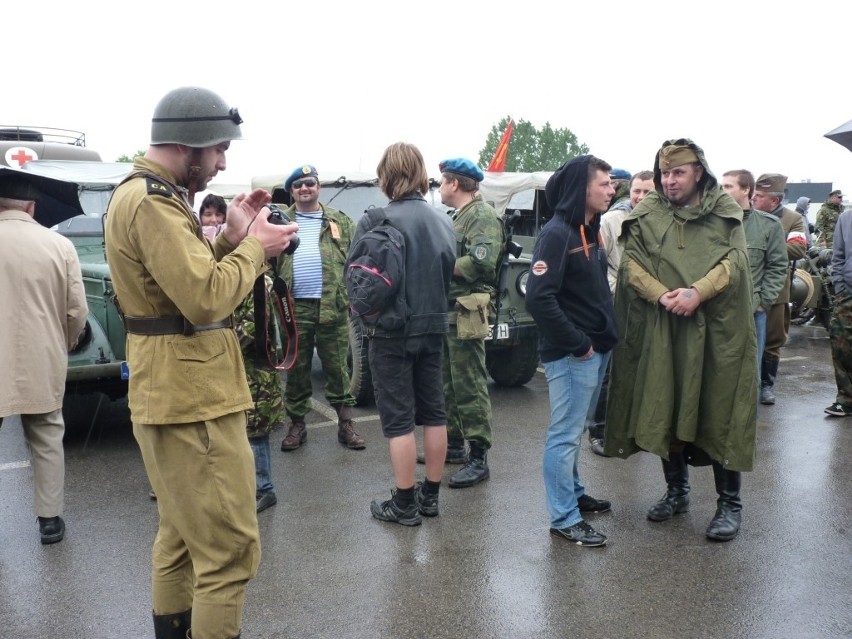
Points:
(208, 546)
(44, 433)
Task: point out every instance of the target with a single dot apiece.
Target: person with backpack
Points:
(407, 333)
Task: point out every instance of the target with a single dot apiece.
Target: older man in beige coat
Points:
(42, 316)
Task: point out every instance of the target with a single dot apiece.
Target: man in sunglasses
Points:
(314, 274)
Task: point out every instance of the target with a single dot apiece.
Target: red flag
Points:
(498, 162)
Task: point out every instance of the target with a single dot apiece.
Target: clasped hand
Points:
(681, 301)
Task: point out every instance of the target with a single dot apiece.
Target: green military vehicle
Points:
(512, 346)
(511, 354)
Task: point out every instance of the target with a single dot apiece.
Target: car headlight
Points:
(521, 283)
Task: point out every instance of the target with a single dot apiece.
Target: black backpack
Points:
(375, 274)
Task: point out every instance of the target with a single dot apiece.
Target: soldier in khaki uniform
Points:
(768, 194)
(480, 242)
(187, 390)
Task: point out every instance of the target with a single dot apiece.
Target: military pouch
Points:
(472, 319)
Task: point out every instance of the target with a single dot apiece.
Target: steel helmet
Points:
(195, 117)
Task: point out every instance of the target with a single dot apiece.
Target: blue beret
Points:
(462, 167)
(306, 170)
(619, 174)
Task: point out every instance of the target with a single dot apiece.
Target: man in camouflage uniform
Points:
(768, 195)
(840, 330)
(314, 274)
(480, 242)
(827, 217)
(265, 385)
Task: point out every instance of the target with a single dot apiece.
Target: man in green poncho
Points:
(684, 372)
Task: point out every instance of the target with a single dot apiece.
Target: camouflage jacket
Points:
(826, 220)
(335, 238)
(264, 381)
(480, 243)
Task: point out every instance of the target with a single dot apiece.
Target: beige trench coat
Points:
(42, 314)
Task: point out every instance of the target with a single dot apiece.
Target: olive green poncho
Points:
(679, 380)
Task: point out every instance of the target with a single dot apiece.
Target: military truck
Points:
(511, 354)
(22, 144)
(512, 345)
(97, 364)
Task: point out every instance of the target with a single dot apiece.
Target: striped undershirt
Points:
(307, 262)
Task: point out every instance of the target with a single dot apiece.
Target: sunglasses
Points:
(310, 182)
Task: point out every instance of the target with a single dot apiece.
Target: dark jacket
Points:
(430, 253)
(567, 292)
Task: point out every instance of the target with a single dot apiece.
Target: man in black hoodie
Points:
(568, 296)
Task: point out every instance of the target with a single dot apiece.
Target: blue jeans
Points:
(760, 325)
(574, 386)
(262, 464)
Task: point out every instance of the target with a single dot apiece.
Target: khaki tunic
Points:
(160, 266)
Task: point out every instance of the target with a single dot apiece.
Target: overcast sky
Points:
(333, 83)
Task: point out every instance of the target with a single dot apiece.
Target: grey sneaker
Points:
(427, 505)
(581, 534)
(389, 511)
(266, 500)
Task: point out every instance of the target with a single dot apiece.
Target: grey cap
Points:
(195, 117)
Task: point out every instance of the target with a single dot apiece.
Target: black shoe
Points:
(597, 446)
(473, 472)
(455, 455)
(725, 524)
(265, 500)
(51, 529)
(390, 511)
(668, 507)
(152, 495)
(427, 505)
(767, 397)
(591, 505)
(581, 534)
(838, 410)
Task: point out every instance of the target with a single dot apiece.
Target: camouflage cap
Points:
(837, 192)
(771, 183)
(675, 155)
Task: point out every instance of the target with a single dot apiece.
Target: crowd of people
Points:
(655, 294)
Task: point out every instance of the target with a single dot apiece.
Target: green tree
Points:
(127, 158)
(531, 149)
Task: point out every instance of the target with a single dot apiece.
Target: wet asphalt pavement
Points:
(486, 567)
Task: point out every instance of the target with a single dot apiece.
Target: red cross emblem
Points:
(21, 155)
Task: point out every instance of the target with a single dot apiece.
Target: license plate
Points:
(500, 330)
(125, 371)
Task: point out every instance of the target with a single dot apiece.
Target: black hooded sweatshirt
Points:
(567, 291)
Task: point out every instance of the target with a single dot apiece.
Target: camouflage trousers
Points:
(332, 344)
(466, 391)
(268, 409)
(840, 334)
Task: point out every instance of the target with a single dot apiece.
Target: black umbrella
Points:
(56, 201)
(842, 135)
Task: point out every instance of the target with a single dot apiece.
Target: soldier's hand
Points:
(273, 237)
(242, 211)
(684, 301)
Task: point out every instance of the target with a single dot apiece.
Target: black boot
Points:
(676, 499)
(768, 373)
(474, 471)
(456, 453)
(726, 522)
(173, 626)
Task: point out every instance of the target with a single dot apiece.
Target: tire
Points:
(360, 379)
(513, 366)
